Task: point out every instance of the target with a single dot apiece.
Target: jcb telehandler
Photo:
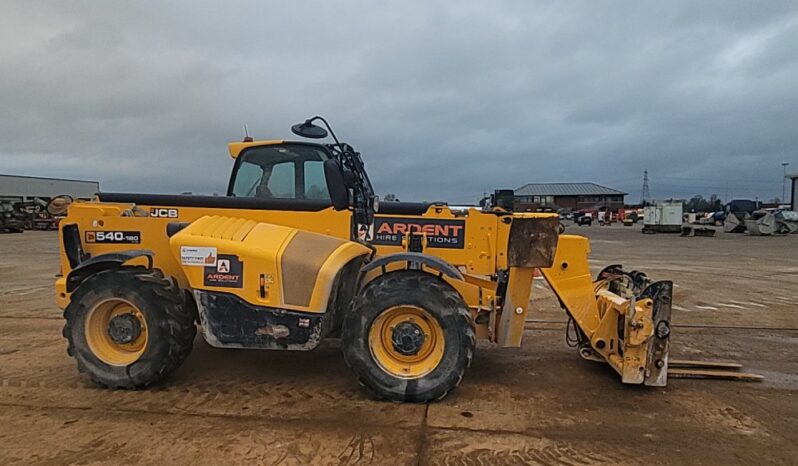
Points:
(299, 250)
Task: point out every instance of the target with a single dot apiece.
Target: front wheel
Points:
(408, 337)
(129, 327)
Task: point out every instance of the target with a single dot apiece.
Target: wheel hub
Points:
(407, 338)
(124, 328)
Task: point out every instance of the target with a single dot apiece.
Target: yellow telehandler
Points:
(299, 250)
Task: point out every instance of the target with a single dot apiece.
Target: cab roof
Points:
(235, 148)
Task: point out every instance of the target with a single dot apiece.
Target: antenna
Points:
(247, 137)
(646, 194)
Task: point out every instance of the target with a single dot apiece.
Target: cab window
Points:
(282, 181)
(247, 179)
(285, 171)
(315, 183)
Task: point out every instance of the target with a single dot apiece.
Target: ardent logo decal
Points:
(227, 273)
(440, 233)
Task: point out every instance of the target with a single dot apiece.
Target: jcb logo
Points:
(163, 213)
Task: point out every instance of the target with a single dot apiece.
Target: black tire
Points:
(169, 315)
(436, 297)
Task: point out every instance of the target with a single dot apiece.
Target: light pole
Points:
(784, 181)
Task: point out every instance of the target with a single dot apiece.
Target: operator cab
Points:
(302, 171)
(290, 170)
(310, 173)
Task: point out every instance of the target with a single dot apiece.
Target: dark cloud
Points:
(445, 100)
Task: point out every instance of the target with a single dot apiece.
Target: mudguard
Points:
(416, 258)
(102, 262)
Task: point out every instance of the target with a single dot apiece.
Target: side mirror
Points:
(336, 186)
(309, 130)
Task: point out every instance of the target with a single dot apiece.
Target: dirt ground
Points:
(735, 300)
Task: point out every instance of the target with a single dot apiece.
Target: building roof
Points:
(47, 178)
(566, 189)
(18, 186)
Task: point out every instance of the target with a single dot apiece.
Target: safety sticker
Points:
(228, 272)
(197, 255)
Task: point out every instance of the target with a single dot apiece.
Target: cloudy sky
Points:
(444, 99)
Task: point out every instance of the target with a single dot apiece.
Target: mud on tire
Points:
(168, 313)
(439, 300)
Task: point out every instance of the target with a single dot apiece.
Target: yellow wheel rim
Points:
(424, 353)
(103, 344)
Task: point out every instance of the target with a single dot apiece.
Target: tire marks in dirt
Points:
(478, 449)
(275, 401)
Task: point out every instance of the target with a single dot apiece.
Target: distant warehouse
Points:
(569, 196)
(23, 188)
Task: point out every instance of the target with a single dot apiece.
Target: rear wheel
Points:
(129, 327)
(408, 337)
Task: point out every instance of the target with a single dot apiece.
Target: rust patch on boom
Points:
(533, 242)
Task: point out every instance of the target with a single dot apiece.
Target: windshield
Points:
(286, 171)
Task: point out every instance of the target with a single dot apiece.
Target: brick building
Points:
(570, 196)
